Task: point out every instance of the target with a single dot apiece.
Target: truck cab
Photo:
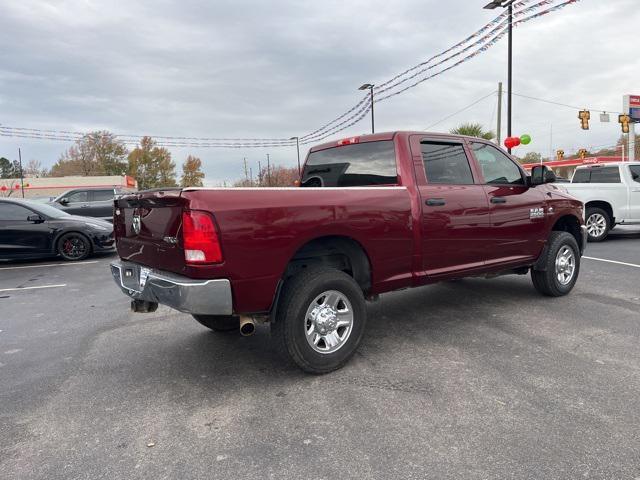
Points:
(611, 194)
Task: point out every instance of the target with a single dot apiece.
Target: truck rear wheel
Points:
(320, 319)
(219, 323)
(561, 266)
(598, 224)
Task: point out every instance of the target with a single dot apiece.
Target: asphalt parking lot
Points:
(473, 379)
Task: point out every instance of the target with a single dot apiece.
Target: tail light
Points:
(348, 141)
(200, 239)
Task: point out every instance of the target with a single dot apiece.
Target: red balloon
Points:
(516, 141)
(17, 187)
(3, 188)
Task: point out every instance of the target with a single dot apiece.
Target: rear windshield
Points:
(597, 175)
(360, 164)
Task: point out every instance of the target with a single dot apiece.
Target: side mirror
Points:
(63, 201)
(542, 174)
(35, 218)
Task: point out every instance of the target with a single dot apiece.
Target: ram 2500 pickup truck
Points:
(372, 214)
(611, 194)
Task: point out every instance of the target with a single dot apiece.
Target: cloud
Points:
(283, 68)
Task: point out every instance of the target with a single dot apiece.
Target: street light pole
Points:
(369, 86)
(297, 150)
(507, 4)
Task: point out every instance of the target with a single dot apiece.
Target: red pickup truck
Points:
(372, 214)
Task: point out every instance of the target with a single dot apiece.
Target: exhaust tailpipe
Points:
(247, 326)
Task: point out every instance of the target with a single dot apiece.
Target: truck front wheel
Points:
(598, 224)
(320, 319)
(561, 266)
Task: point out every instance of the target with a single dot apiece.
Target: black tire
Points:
(297, 296)
(594, 213)
(74, 246)
(546, 281)
(219, 323)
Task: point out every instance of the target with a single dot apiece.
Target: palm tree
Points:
(473, 130)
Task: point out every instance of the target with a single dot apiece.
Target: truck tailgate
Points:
(147, 227)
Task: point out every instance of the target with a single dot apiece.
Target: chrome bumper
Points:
(200, 297)
(585, 235)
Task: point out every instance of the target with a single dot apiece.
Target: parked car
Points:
(32, 230)
(89, 202)
(393, 210)
(611, 194)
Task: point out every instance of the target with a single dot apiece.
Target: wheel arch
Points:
(604, 205)
(337, 251)
(570, 224)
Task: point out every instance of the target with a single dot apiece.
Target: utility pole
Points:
(259, 174)
(499, 127)
(268, 172)
(250, 177)
(297, 150)
(369, 86)
(509, 5)
(245, 169)
(21, 174)
(632, 142)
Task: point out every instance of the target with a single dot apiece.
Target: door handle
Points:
(498, 200)
(84, 206)
(435, 202)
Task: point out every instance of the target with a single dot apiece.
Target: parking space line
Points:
(31, 288)
(613, 261)
(50, 265)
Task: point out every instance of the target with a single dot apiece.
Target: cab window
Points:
(497, 168)
(77, 197)
(446, 163)
(635, 172)
(102, 195)
(10, 212)
(357, 165)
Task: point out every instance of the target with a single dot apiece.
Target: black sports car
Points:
(30, 229)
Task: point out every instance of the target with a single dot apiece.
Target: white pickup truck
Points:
(611, 194)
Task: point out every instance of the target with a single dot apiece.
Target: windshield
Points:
(361, 164)
(44, 209)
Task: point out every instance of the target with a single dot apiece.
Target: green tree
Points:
(192, 174)
(6, 168)
(531, 157)
(473, 130)
(96, 153)
(151, 165)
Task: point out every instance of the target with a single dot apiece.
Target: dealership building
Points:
(54, 186)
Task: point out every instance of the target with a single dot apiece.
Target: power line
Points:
(461, 110)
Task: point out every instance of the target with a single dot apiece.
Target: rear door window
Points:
(102, 195)
(582, 175)
(605, 175)
(356, 165)
(446, 163)
(635, 172)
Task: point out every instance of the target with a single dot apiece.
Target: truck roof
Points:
(376, 137)
(600, 165)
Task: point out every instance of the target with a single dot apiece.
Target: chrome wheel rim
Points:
(565, 265)
(596, 224)
(328, 322)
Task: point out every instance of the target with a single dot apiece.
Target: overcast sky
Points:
(284, 68)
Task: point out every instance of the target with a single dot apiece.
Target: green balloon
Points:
(525, 139)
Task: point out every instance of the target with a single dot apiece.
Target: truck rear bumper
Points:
(200, 297)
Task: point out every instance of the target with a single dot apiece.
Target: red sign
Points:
(634, 101)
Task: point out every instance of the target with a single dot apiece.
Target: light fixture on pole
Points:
(507, 4)
(369, 86)
(297, 150)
